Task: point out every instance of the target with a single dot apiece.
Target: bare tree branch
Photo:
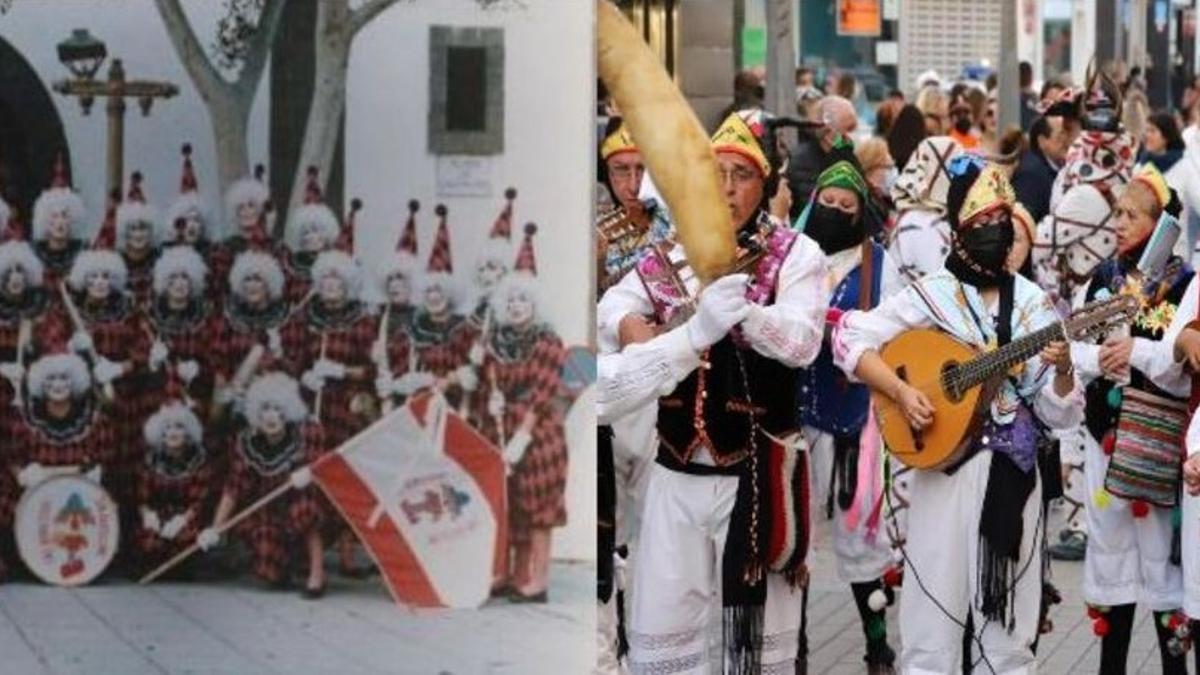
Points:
(191, 52)
(256, 53)
(369, 10)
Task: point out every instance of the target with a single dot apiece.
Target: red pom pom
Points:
(1140, 509)
(1094, 613)
(1100, 627)
(893, 577)
(1110, 440)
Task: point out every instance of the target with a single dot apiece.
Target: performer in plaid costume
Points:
(23, 299)
(137, 231)
(275, 446)
(520, 374)
(330, 342)
(58, 215)
(247, 210)
(311, 229)
(188, 221)
(184, 324)
(396, 314)
(253, 314)
(491, 264)
(174, 481)
(63, 429)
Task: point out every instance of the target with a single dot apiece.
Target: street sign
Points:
(887, 53)
(859, 18)
(891, 10)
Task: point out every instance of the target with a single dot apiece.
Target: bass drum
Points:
(67, 530)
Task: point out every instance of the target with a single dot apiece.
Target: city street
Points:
(119, 628)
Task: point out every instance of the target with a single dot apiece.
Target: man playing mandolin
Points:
(973, 549)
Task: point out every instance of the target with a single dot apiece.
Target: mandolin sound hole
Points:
(950, 384)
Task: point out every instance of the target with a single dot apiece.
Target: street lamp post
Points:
(83, 55)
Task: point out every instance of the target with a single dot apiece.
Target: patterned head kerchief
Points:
(925, 179)
(1147, 174)
(843, 174)
(617, 142)
(990, 191)
(1100, 158)
(738, 134)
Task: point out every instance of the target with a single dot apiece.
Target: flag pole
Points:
(271, 496)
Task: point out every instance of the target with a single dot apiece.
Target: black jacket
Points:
(1033, 181)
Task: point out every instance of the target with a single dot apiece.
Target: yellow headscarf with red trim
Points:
(1149, 175)
(735, 136)
(617, 142)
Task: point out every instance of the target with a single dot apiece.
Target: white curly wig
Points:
(129, 213)
(176, 260)
(52, 200)
(495, 251)
(442, 280)
(176, 412)
(517, 284)
(254, 263)
(14, 253)
(184, 206)
(277, 389)
(71, 365)
(341, 265)
(92, 261)
(242, 191)
(309, 216)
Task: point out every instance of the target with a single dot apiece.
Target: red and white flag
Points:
(425, 493)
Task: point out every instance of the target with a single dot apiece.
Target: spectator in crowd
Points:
(1039, 165)
(935, 108)
(748, 93)
(1051, 90)
(885, 115)
(962, 123)
(1029, 97)
(1162, 144)
(907, 131)
(811, 153)
(878, 167)
(807, 92)
(1191, 133)
(847, 86)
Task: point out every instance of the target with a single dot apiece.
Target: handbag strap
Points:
(866, 278)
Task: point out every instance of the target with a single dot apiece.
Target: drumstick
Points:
(317, 401)
(23, 335)
(77, 319)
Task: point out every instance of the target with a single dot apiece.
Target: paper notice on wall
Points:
(887, 53)
(464, 176)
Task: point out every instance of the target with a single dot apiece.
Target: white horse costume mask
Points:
(1078, 235)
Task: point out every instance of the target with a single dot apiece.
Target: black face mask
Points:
(962, 124)
(833, 229)
(977, 256)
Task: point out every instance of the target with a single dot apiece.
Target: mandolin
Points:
(961, 381)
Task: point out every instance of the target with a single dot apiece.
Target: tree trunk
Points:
(333, 36)
(781, 59)
(229, 124)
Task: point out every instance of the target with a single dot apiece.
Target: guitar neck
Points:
(997, 362)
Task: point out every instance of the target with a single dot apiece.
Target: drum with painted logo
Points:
(67, 530)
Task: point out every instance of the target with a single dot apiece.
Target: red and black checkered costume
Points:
(49, 325)
(259, 467)
(348, 335)
(120, 334)
(190, 335)
(87, 438)
(171, 485)
(297, 272)
(140, 282)
(239, 329)
(57, 264)
(525, 365)
(441, 346)
(400, 353)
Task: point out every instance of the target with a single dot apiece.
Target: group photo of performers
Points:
(897, 353)
(189, 362)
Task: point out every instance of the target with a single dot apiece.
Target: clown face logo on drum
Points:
(67, 530)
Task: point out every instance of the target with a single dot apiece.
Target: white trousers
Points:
(860, 558)
(675, 622)
(1128, 559)
(943, 556)
(1190, 535)
(1072, 448)
(607, 662)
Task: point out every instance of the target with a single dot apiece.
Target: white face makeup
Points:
(58, 387)
(254, 290)
(332, 289)
(14, 281)
(179, 286)
(247, 215)
(174, 435)
(99, 285)
(520, 309)
(311, 239)
(138, 236)
(270, 419)
(436, 300)
(399, 290)
(58, 227)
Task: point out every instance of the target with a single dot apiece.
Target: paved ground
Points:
(836, 641)
(236, 628)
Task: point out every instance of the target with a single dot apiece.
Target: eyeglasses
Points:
(623, 171)
(739, 175)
